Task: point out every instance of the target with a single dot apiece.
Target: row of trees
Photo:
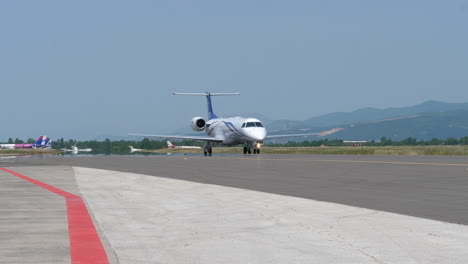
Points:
(384, 141)
(414, 142)
(117, 147)
(19, 141)
(122, 146)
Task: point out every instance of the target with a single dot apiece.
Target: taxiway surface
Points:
(283, 208)
(434, 187)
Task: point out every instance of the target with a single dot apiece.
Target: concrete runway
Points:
(356, 209)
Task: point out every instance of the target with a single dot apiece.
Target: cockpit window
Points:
(252, 124)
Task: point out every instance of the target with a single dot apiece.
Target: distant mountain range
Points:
(423, 121)
(431, 119)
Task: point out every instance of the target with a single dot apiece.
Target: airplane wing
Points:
(210, 139)
(291, 135)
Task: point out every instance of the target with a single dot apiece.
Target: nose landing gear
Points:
(248, 149)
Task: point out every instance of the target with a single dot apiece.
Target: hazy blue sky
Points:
(87, 69)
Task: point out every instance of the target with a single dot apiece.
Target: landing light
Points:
(258, 145)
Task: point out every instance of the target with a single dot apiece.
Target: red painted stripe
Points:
(85, 245)
(41, 184)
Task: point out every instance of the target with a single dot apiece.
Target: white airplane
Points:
(74, 150)
(132, 149)
(42, 142)
(172, 146)
(226, 131)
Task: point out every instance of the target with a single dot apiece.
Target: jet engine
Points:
(198, 123)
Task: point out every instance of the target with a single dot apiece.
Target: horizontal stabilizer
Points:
(211, 114)
(206, 94)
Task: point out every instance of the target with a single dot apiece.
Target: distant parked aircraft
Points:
(132, 149)
(42, 142)
(74, 150)
(170, 145)
(227, 131)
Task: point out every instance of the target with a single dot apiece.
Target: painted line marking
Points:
(319, 160)
(85, 245)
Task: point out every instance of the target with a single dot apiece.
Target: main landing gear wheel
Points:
(245, 150)
(207, 151)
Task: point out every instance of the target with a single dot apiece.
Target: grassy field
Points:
(389, 150)
(25, 152)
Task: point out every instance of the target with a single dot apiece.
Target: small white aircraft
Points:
(74, 150)
(227, 131)
(132, 149)
(172, 146)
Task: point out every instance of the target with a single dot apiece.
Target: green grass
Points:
(20, 152)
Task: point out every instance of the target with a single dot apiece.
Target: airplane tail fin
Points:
(48, 143)
(74, 150)
(45, 141)
(131, 149)
(169, 144)
(40, 140)
(211, 114)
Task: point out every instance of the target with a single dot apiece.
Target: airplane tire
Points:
(245, 150)
(210, 150)
(255, 151)
(258, 151)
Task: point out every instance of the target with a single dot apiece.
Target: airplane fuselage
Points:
(41, 142)
(236, 130)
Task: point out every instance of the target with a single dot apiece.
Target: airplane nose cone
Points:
(259, 134)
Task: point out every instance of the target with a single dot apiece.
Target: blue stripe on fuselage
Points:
(213, 125)
(229, 126)
(233, 129)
